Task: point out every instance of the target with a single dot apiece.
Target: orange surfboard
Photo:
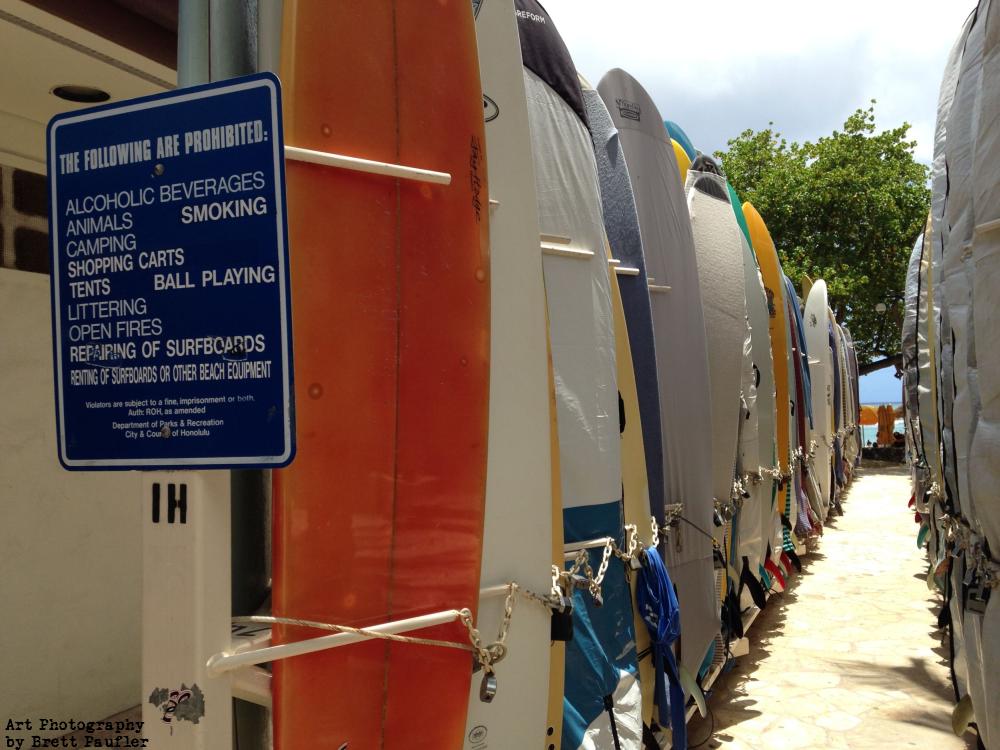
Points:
(380, 516)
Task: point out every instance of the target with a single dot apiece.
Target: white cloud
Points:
(720, 66)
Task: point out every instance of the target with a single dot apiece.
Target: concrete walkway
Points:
(849, 656)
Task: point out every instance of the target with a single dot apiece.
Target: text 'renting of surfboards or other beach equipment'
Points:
(169, 280)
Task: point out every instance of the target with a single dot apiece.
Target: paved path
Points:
(849, 656)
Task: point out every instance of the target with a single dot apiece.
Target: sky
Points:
(719, 67)
(881, 387)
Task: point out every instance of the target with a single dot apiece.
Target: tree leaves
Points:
(846, 209)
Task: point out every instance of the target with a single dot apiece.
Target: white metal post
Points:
(185, 609)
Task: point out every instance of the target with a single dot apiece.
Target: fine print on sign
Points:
(170, 302)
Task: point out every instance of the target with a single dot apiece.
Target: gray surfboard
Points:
(681, 355)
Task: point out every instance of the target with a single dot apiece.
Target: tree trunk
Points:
(896, 360)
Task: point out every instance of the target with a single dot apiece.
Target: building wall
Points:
(70, 553)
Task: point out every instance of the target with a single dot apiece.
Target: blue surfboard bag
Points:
(660, 611)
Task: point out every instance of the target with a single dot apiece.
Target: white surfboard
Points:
(952, 277)
(718, 244)
(755, 534)
(517, 540)
(909, 351)
(854, 431)
(745, 533)
(820, 371)
(937, 239)
(602, 696)
(982, 630)
(719, 248)
(950, 405)
(947, 272)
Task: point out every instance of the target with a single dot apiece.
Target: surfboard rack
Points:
(989, 226)
(353, 163)
(570, 550)
(223, 662)
(549, 248)
(249, 651)
(493, 592)
(658, 288)
(252, 684)
(626, 271)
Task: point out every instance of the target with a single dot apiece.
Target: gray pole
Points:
(192, 42)
(269, 34)
(216, 40)
(233, 34)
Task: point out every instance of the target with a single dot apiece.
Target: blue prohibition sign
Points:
(171, 315)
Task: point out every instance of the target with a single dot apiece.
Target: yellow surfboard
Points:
(557, 655)
(635, 484)
(683, 161)
(774, 285)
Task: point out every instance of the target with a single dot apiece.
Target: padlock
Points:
(488, 688)
(970, 576)
(978, 598)
(717, 517)
(561, 628)
(598, 599)
(720, 562)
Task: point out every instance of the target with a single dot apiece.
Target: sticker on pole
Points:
(171, 317)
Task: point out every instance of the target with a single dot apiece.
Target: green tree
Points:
(846, 209)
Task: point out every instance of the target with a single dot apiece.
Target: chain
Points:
(555, 592)
(508, 613)
(991, 575)
(595, 583)
(773, 472)
(725, 508)
(963, 540)
(581, 573)
(631, 543)
(737, 493)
